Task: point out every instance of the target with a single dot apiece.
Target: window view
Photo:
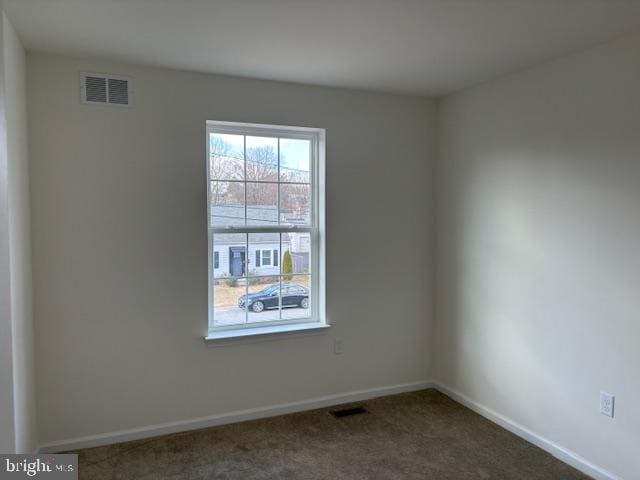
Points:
(263, 225)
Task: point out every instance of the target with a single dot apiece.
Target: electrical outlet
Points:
(338, 346)
(607, 402)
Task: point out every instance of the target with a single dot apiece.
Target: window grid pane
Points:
(264, 301)
(227, 157)
(295, 160)
(261, 158)
(297, 298)
(279, 186)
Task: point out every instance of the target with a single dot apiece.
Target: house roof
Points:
(256, 238)
(225, 215)
(230, 215)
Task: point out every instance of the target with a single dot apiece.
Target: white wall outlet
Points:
(607, 402)
(338, 346)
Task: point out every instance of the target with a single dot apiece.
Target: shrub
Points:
(287, 266)
(252, 279)
(229, 281)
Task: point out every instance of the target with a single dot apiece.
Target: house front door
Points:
(237, 256)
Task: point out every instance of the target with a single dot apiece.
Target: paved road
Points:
(235, 315)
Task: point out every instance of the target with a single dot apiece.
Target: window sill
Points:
(263, 334)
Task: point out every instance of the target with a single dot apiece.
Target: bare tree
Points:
(262, 165)
(226, 164)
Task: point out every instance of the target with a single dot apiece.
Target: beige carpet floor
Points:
(420, 435)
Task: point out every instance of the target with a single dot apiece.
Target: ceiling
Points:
(427, 47)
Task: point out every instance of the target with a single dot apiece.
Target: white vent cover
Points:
(100, 88)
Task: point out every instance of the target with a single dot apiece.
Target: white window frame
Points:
(316, 230)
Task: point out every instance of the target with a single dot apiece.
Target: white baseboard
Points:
(226, 418)
(558, 451)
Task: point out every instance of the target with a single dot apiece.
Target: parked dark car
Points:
(293, 295)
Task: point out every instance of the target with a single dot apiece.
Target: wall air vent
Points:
(102, 89)
(347, 412)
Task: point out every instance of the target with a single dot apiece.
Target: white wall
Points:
(20, 238)
(7, 424)
(18, 376)
(120, 248)
(538, 268)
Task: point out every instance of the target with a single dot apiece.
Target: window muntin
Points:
(266, 225)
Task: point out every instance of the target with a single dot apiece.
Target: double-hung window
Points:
(266, 228)
(266, 258)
